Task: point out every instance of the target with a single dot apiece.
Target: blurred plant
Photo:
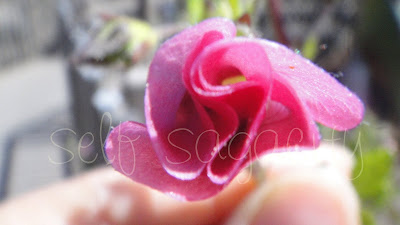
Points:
(310, 47)
(196, 10)
(120, 39)
(374, 181)
(373, 176)
(373, 172)
(199, 10)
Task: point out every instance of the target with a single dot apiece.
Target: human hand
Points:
(311, 187)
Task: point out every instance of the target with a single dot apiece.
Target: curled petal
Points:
(329, 102)
(286, 124)
(226, 59)
(167, 102)
(129, 150)
(225, 163)
(223, 60)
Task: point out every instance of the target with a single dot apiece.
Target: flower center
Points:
(233, 80)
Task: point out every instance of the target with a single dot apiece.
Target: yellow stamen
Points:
(233, 80)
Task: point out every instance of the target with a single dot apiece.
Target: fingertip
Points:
(311, 187)
(305, 199)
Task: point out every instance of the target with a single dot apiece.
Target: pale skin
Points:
(295, 188)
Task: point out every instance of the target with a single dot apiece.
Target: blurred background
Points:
(71, 69)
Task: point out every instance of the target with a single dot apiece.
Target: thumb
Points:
(303, 188)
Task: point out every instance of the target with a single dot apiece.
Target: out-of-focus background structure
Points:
(70, 69)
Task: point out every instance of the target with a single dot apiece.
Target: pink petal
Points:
(165, 97)
(223, 116)
(225, 163)
(223, 59)
(292, 127)
(286, 123)
(129, 150)
(329, 102)
(218, 61)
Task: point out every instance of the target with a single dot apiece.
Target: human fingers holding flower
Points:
(297, 191)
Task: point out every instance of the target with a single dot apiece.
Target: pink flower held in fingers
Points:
(215, 102)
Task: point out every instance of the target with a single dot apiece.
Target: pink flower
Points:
(215, 102)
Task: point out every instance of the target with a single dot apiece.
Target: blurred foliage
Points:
(199, 10)
(367, 217)
(196, 10)
(374, 164)
(120, 39)
(372, 176)
(237, 8)
(310, 47)
(222, 8)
